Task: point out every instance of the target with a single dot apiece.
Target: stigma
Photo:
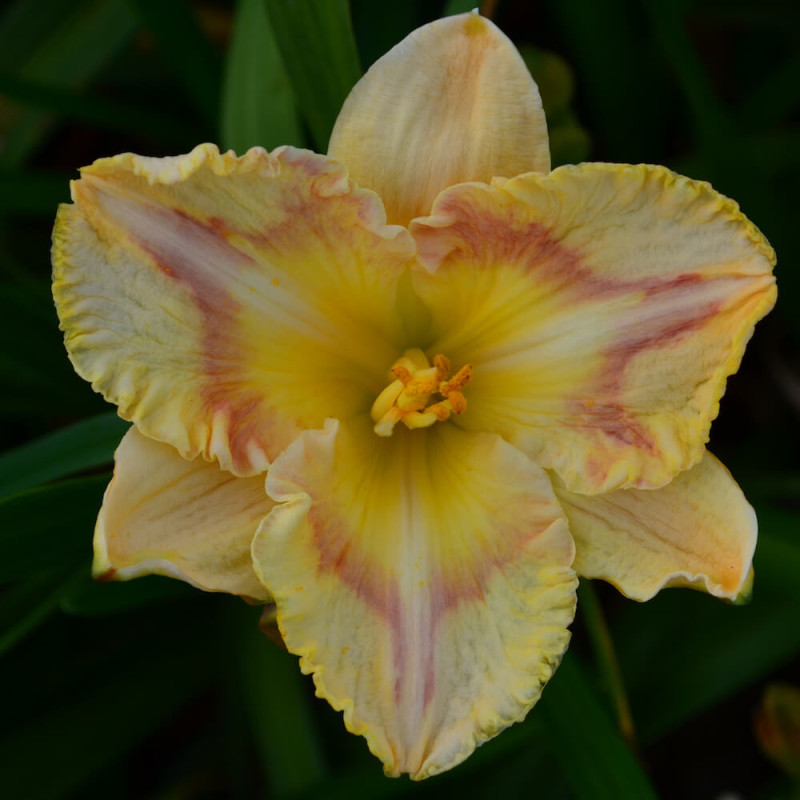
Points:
(420, 394)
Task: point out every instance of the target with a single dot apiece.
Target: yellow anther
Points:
(419, 387)
(442, 364)
(458, 403)
(402, 373)
(407, 399)
(458, 381)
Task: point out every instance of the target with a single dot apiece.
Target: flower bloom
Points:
(464, 378)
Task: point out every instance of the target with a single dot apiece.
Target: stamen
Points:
(458, 381)
(407, 399)
(442, 364)
(458, 403)
(402, 374)
(385, 400)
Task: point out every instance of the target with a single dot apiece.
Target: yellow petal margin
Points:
(225, 304)
(164, 515)
(602, 308)
(452, 102)
(424, 580)
(697, 531)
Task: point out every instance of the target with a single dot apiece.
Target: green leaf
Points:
(584, 740)
(49, 527)
(459, 7)
(258, 105)
(88, 598)
(27, 604)
(775, 98)
(33, 192)
(714, 127)
(65, 45)
(616, 74)
(378, 27)
(778, 552)
(276, 698)
(84, 445)
(318, 48)
(685, 651)
(73, 710)
(187, 50)
(102, 112)
(36, 363)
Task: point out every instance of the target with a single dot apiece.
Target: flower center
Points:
(421, 394)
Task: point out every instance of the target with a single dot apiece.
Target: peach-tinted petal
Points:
(227, 303)
(602, 308)
(452, 102)
(423, 579)
(697, 531)
(164, 515)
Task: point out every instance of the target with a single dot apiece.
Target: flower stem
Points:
(606, 656)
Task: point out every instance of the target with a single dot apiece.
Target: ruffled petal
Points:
(696, 531)
(224, 303)
(423, 579)
(602, 308)
(452, 102)
(164, 515)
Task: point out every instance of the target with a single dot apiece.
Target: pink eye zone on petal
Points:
(226, 304)
(442, 562)
(603, 306)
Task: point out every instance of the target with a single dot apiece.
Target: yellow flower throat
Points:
(410, 398)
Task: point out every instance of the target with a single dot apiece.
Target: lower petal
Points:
(164, 515)
(699, 531)
(423, 579)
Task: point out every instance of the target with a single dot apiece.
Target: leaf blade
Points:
(318, 48)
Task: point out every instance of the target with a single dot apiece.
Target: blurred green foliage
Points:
(151, 690)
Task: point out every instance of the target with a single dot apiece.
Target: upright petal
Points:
(452, 102)
(227, 303)
(424, 580)
(602, 308)
(164, 515)
(697, 530)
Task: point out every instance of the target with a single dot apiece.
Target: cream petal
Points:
(164, 515)
(452, 102)
(602, 308)
(424, 580)
(225, 304)
(696, 531)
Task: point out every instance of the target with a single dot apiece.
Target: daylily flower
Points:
(463, 377)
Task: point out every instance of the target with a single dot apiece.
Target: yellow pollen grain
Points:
(276, 282)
